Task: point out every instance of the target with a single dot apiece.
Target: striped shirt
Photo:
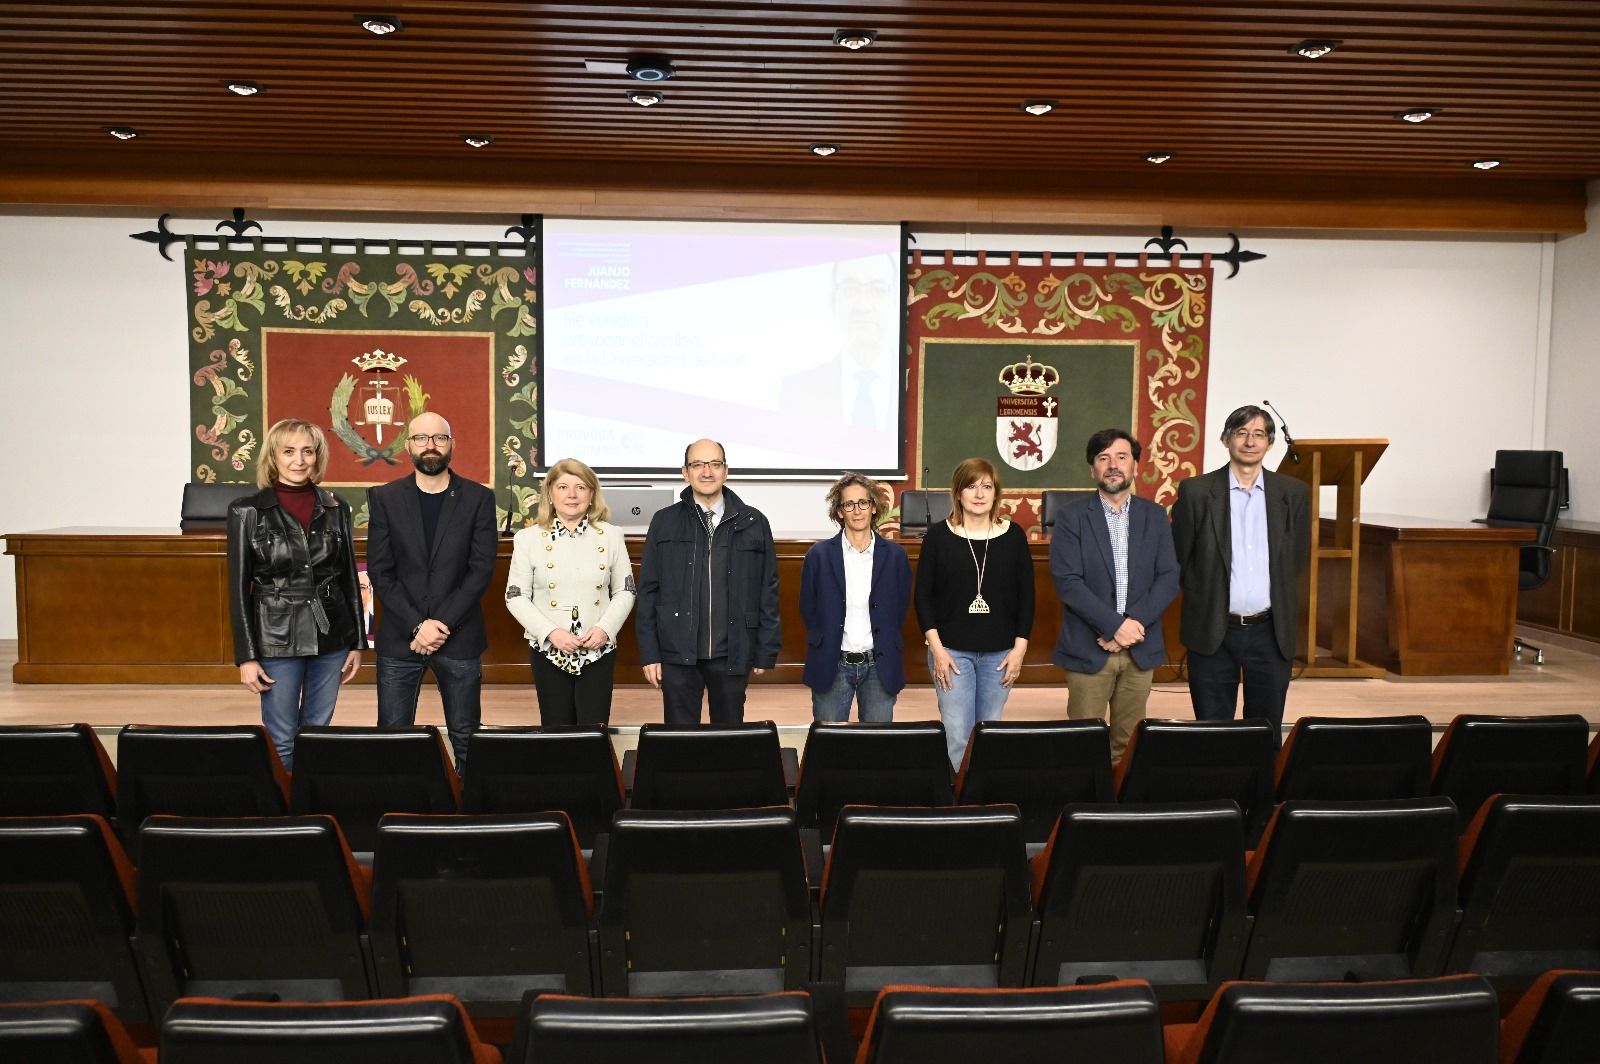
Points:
(1117, 526)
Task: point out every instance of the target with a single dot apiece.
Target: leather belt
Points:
(857, 657)
(1244, 620)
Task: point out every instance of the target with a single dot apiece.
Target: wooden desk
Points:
(1437, 598)
(141, 605)
(1569, 602)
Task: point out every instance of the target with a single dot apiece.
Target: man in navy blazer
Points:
(855, 590)
(1114, 567)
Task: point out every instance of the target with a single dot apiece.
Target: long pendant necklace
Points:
(978, 604)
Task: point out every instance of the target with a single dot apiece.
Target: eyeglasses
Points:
(856, 504)
(421, 439)
(1250, 434)
(714, 466)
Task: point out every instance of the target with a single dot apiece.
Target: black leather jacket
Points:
(291, 592)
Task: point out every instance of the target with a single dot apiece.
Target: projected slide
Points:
(782, 341)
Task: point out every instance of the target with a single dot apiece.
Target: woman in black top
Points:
(295, 604)
(975, 604)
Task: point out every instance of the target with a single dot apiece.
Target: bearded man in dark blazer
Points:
(1243, 537)
(431, 547)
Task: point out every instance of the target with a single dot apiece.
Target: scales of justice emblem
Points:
(1026, 423)
(377, 409)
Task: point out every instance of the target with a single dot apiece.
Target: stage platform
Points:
(1568, 682)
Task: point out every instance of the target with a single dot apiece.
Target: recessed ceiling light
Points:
(1313, 49)
(245, 88)
(1418, 115)
(379, 25)
(650, 68)
(121, 132)
(1486, 164)
(478, 140)
(1158, 157)
(644, 97)
(824, 150)
(1039, 107)
(855, 40)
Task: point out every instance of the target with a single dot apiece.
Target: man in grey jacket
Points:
(708, 595)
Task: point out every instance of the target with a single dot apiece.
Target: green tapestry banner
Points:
(360, 343)
(1020, 363)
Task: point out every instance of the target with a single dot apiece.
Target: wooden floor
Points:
(1568, 682)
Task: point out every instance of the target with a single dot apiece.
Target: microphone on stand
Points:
(1294, 455)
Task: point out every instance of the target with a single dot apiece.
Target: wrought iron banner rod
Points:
(1166, 242)
(239, 225)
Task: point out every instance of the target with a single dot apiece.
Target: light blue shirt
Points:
(1117, 529)
(1249, 582)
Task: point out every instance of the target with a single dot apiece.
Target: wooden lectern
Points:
(1345, 465)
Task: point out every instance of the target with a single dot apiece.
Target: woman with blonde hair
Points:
(974, 603)
(571, 587)
(293, 596)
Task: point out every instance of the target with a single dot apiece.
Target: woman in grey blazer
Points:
(571, 587)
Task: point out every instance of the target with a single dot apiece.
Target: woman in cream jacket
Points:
(571, 587)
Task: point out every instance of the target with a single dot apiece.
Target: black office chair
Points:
(205, 506)
(1051, 503)
(1525, 492)
(919, 509)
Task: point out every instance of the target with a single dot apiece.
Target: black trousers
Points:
(682, 686)
(568, 699)
(1250, 650)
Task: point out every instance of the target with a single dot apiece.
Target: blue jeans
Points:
(851, 683)
(460, 682)
(302, 695)
(975, 694)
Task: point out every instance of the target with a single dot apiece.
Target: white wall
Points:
(1434, 343)
(1575, 362)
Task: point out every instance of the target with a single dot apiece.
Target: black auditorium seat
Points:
(356, 775)
(709, 766)
(774, 1028)
(66, 914)
(902, 763)
(1353, 890)
(64, 1032)
(1151, 892)
(419, 1030)
(1480, 755)
(1038, 766)
(925, 896)
(1530, 889)
(1349, 759)
(1556, 1022)
(483, 908)
(226, 770)
(704, 902)
(1594, 764)
(265, 906)
(1202, 760)
(537, 770)
(55, 770)
(1404, 1021)
(1119, 1021)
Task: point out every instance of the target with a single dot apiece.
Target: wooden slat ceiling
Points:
(758, 82)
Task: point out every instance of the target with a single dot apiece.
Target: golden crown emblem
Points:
(1029, 377)
(378, 359)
